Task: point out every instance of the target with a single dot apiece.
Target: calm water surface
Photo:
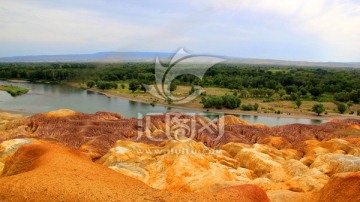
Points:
(49, 97)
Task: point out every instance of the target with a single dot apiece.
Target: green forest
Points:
(247, 81)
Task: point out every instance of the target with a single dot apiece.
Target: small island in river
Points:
(14, 90)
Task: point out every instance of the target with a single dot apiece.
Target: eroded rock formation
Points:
(295, 161)
(44, 171)
(97, 133)
(191, 166)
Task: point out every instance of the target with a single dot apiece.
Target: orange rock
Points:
(60, 113)
(11, 125)
(277, 142)
(293, 157)
(341, 187)
(183, 165)
(286, 195)
(6, 117)
(191, 166)
(307, 183)
(336, 163)
(97, 133)
(230, 119)
(8, 148)
(44, 172)
(264, 160)
(246, 190)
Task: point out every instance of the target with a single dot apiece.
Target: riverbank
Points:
(301, 113)
(18, 81)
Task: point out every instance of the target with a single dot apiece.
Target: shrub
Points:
(247, 107)
(316, 91)
(106, 85)
(294, 96)
(217, 102)
(341, 108)
(153, 103)
(207, 102)
(90, 84)
(227, 101)
(134, 85)
(256, 106)
(318, 108)
(282, 92)
(169, 100)
(173, 86)
(269, 99)
(231, 101)
(298, 103)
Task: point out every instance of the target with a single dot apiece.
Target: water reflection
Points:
(47, 97)
(313, 121)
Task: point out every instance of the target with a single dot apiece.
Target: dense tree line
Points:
(143, 72)
(278, 82)
(227, 101)
(344, 96)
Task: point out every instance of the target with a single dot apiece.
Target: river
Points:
(49, 97)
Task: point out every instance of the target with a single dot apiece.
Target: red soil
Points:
(95, 134)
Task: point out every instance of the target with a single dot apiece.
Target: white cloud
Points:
(339, 26)
(30, 23)
(332, 27)
(335, 22)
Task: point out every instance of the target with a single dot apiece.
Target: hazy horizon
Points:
(169, 55)
(299, 30)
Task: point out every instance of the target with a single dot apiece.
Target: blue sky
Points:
(311, 30)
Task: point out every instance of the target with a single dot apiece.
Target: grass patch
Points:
(14, 90)
(326, 97)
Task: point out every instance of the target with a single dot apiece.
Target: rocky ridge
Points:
(301, 162)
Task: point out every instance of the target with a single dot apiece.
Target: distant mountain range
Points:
(95, 57)
(150, 57)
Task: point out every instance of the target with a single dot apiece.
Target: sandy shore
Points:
(18, 81)
(304, 115)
